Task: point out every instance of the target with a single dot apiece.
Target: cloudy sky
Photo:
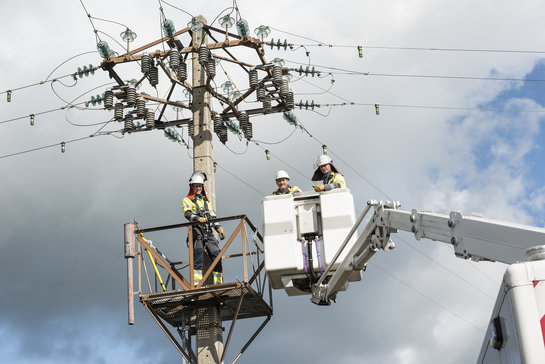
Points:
(460, 89)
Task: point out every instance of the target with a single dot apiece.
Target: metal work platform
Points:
(237, 301)
(181, 309)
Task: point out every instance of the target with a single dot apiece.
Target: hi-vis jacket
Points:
(333, 180)
(288, 190)
(198, 207)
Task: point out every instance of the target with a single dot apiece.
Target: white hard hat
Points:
(323, 160)
(197, 177)
(282, 174)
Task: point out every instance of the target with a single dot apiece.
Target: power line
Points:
(40, 113)
(442, 49)
(261, 193)
(58, 144)
(360, 73)
(349, 166)
(446, 268)
(426, 296)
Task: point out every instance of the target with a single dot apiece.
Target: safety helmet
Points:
(322, 160)
(282, 174)
(198, 177)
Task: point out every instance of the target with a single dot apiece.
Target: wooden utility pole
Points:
(209, 330)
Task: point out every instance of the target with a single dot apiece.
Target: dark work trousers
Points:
(202, 240)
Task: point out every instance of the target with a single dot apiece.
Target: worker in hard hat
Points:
(329, 175)
(283, 183)
(197, 209)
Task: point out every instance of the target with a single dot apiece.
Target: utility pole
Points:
(189, 309)
(209, 330)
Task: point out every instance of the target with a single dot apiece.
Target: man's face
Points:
(197, 187)
(282, 183)
(325, 168)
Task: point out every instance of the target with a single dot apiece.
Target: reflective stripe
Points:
(189, 205)
(336, 178)
(289, 190)
(197, 276)
(218, 277)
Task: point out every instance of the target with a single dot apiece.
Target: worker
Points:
(283, 183)
(329, 175)
(197, 209)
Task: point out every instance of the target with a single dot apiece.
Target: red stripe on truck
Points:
(542, 321)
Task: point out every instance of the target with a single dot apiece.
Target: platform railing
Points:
(169, 273)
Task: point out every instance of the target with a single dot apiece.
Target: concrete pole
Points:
(202, 115)
(209, 336)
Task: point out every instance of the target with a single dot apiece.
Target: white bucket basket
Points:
(291, 222)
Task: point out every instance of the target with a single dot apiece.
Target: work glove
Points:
(319, 188)
(221, 232)
(202, 219)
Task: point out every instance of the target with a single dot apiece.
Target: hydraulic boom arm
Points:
(472, 237)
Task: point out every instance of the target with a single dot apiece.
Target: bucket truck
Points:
(312, 246)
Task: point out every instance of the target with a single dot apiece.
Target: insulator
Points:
(242, 28)
(324, 149)
(150, 119)
(63, 147)
(140, 107)
(253, 78)
(223, 134)
(277, 75)
(190, 129)
(129, 124)
(118, 112)
(377, 109)
(289, 101)
(171, 134)
(248, 130)
(108, 99)
(32, 117)
(360, 51)
(211, 69)
(217, 123)
(153, 75)
(204, 53)
(290, 117)
(182, 71)
(260, 92)
(267, 105)
(131, 95)
(306, 105)
(8, 93)
(231, 126)
(145, 63)
(168, 28)
(242, 117)
(104, 49)
(174, 58)
(284, 88)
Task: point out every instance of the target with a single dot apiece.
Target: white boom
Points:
(472, 237)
